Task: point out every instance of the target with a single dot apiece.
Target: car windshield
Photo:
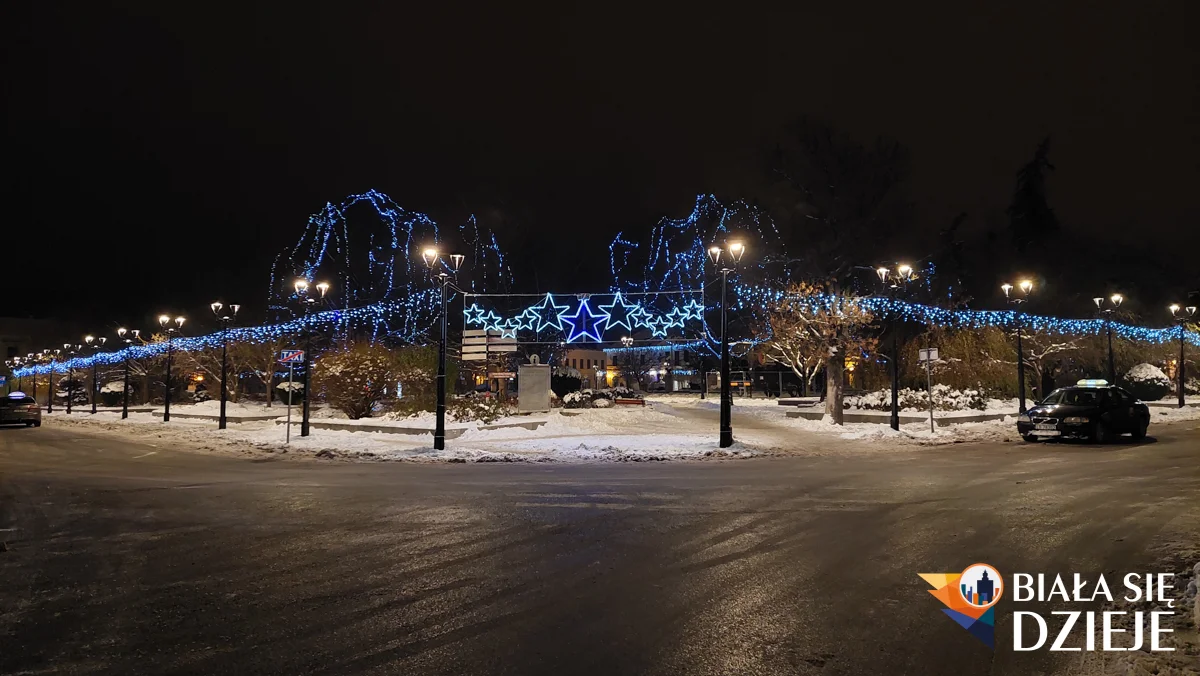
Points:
(1074, 397)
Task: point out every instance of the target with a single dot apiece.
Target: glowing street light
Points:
(225, 317)
(895, 282)
(432, 259)
(1181, 316)
(1026, 287)
(735, 251)
(164, 321)
(1115, 301)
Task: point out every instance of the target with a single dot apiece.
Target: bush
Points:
(598, 398)
(945, 398)
(565, 380)
(481, 409)
(357, 379)
(297, 392)
(1147, 382)
(112, 393)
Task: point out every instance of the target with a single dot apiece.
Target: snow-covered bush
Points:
(356, 379)
(478, 408)
(945, 398)
(295, 388)
(1147, 382)
(112, 392)
(601, 398)
(564, 380)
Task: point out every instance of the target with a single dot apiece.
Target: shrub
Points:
(1147, 382)
(598, 398)
(565, 380)
(945, 398)
(357, 379)
(482, 409)
(296, 387)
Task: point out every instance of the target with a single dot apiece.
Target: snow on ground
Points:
(667, 428)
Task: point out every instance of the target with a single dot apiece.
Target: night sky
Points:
(160, 155)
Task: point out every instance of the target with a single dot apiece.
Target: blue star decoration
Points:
(509, 330)
(620, 313)
(693, 310)
(526, 320)
(676, 317)
(658, 326)
(491, 321)
(583, 323)
(474, 313)
(547, 314)
(640, 318)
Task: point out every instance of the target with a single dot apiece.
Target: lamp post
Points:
(50, 383)
(433, 259)
(895, 282)
(735, 250)
(35, 359)
(95, 344)
(1115, 301)
(72, 350)
(121, 333)
(10, 364)
(1181, 318)
(225, 318)
(165, 322)
(1026, 287)
(308, 300)
(14, 365)
(627, 343)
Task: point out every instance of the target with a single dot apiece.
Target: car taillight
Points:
(34, 408)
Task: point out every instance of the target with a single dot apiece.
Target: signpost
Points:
(928, 355)
(290, 357)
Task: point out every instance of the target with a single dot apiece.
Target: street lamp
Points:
(309, 300)
(225, 318)
(432, 259)
(1026, 288)
(895, 282)
(1115, 301)
(133, 336)
(735, 250)
(1181, 318)
(94, 344)
(71, 350)
(50, 384)
(165, 322)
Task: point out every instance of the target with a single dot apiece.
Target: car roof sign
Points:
(1092, 382)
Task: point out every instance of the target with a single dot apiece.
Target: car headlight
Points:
(1075, 420)
(1024, 417)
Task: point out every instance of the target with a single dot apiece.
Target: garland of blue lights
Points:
(914, 312)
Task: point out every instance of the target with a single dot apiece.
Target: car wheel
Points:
(1139, 432)
(1100, 433)
(29, 423)
(1029, 438)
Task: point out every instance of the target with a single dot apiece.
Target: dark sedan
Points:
(1092, 410)
(20, 409)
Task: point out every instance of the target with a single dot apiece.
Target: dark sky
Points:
(164, 152)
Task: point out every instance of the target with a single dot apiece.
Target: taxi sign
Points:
(1092, 382)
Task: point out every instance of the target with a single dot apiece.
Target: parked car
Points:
(1092, 410)
(19, 408)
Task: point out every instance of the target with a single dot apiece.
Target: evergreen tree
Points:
(1030, 218)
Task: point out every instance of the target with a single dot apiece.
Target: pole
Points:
(1182, 381)
(929, 385)
(894, 420)
(93, 385)
(34, 376)
(439, 431)
(167, 384)
(50, 389)
(291, 369)
(125, 389)
(726, 395)
(1020, 368)
(70, 387)
(1112, 369)
(307, 374)
(224, 388)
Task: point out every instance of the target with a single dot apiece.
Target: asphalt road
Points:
(130, 558)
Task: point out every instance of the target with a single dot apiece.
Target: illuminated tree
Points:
(821, 321)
